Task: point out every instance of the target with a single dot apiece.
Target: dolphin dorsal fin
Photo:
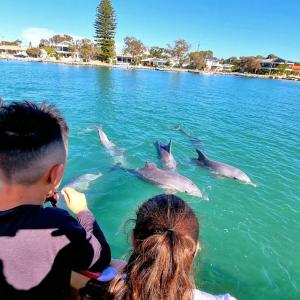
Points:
(169, 146)
(201, 155)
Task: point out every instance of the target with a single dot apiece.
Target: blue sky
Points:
(228, 27)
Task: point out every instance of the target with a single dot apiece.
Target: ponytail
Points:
(160, 266)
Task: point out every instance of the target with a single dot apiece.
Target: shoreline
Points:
(96, 63)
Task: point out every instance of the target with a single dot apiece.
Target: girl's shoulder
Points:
(199, 295)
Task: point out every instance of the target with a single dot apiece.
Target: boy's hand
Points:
(75, 201)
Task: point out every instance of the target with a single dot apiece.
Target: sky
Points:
(227, 27)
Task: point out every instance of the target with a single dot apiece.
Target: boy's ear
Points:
(55, 174)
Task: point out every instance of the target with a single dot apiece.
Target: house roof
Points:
(154, 59)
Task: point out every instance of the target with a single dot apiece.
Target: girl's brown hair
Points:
(165, 239)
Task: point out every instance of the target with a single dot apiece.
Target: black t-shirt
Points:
(39, 247)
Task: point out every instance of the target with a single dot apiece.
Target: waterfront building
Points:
(154, 61)
(213, 64)
(227, 67)
(63, 48)
(124, 59)
(296, 69)
(273, 64)
(12, 49)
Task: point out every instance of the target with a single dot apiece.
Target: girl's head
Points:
(165, 241)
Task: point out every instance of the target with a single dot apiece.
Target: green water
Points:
(250, 236)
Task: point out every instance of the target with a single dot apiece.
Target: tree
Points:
(180, 50)
(250, 64)
(57, 39)
(33, 52)
(13, 43)
(44, 43)
(272, 56)
(50, 51)
(105, 27)
(134, 47)
(158, 52)
(86, 49)
(282, 69)
(197, 60)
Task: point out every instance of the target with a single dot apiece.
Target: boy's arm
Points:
(90, 249)
(95, 238)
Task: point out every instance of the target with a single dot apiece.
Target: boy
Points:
(39, 247)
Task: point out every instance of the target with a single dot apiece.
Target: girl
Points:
(165, 242)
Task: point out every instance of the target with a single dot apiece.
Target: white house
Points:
(212, 64)
(12, 49)
(124, 59)
(154, 61)
(63, 48)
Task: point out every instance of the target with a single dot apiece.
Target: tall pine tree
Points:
(105, 26)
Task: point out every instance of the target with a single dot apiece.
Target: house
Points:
(63, 48)
(12, 49)
(213, 64)
(227, 67)
(273, 64)
(124, 59)
(154, 61)
(296, 69)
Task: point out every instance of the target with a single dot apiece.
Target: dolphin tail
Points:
(201, 155)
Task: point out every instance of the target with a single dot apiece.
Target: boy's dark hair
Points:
(28, 133)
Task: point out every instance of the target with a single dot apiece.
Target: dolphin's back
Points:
(166, 179)
(226, 170)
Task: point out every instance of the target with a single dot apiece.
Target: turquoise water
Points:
(250, 236)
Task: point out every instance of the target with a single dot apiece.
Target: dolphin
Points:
(114, 151)
(167, 179)
(81, 183)
(165, 154)
(194, 140)
(222, 169)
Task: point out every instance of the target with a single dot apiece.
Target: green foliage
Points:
(86, 49)
(33, 52)
(168, 63)
(250, 64)
(11, 43)
(197, 59)
(56, 39)
(105, 27)
(44, 43)
(50, 51)
(158, 52)
(180, 50)
(134, 47)
(272, 56)
(282, 69)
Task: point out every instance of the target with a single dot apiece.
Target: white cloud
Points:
(119, 47)
(35, 34)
